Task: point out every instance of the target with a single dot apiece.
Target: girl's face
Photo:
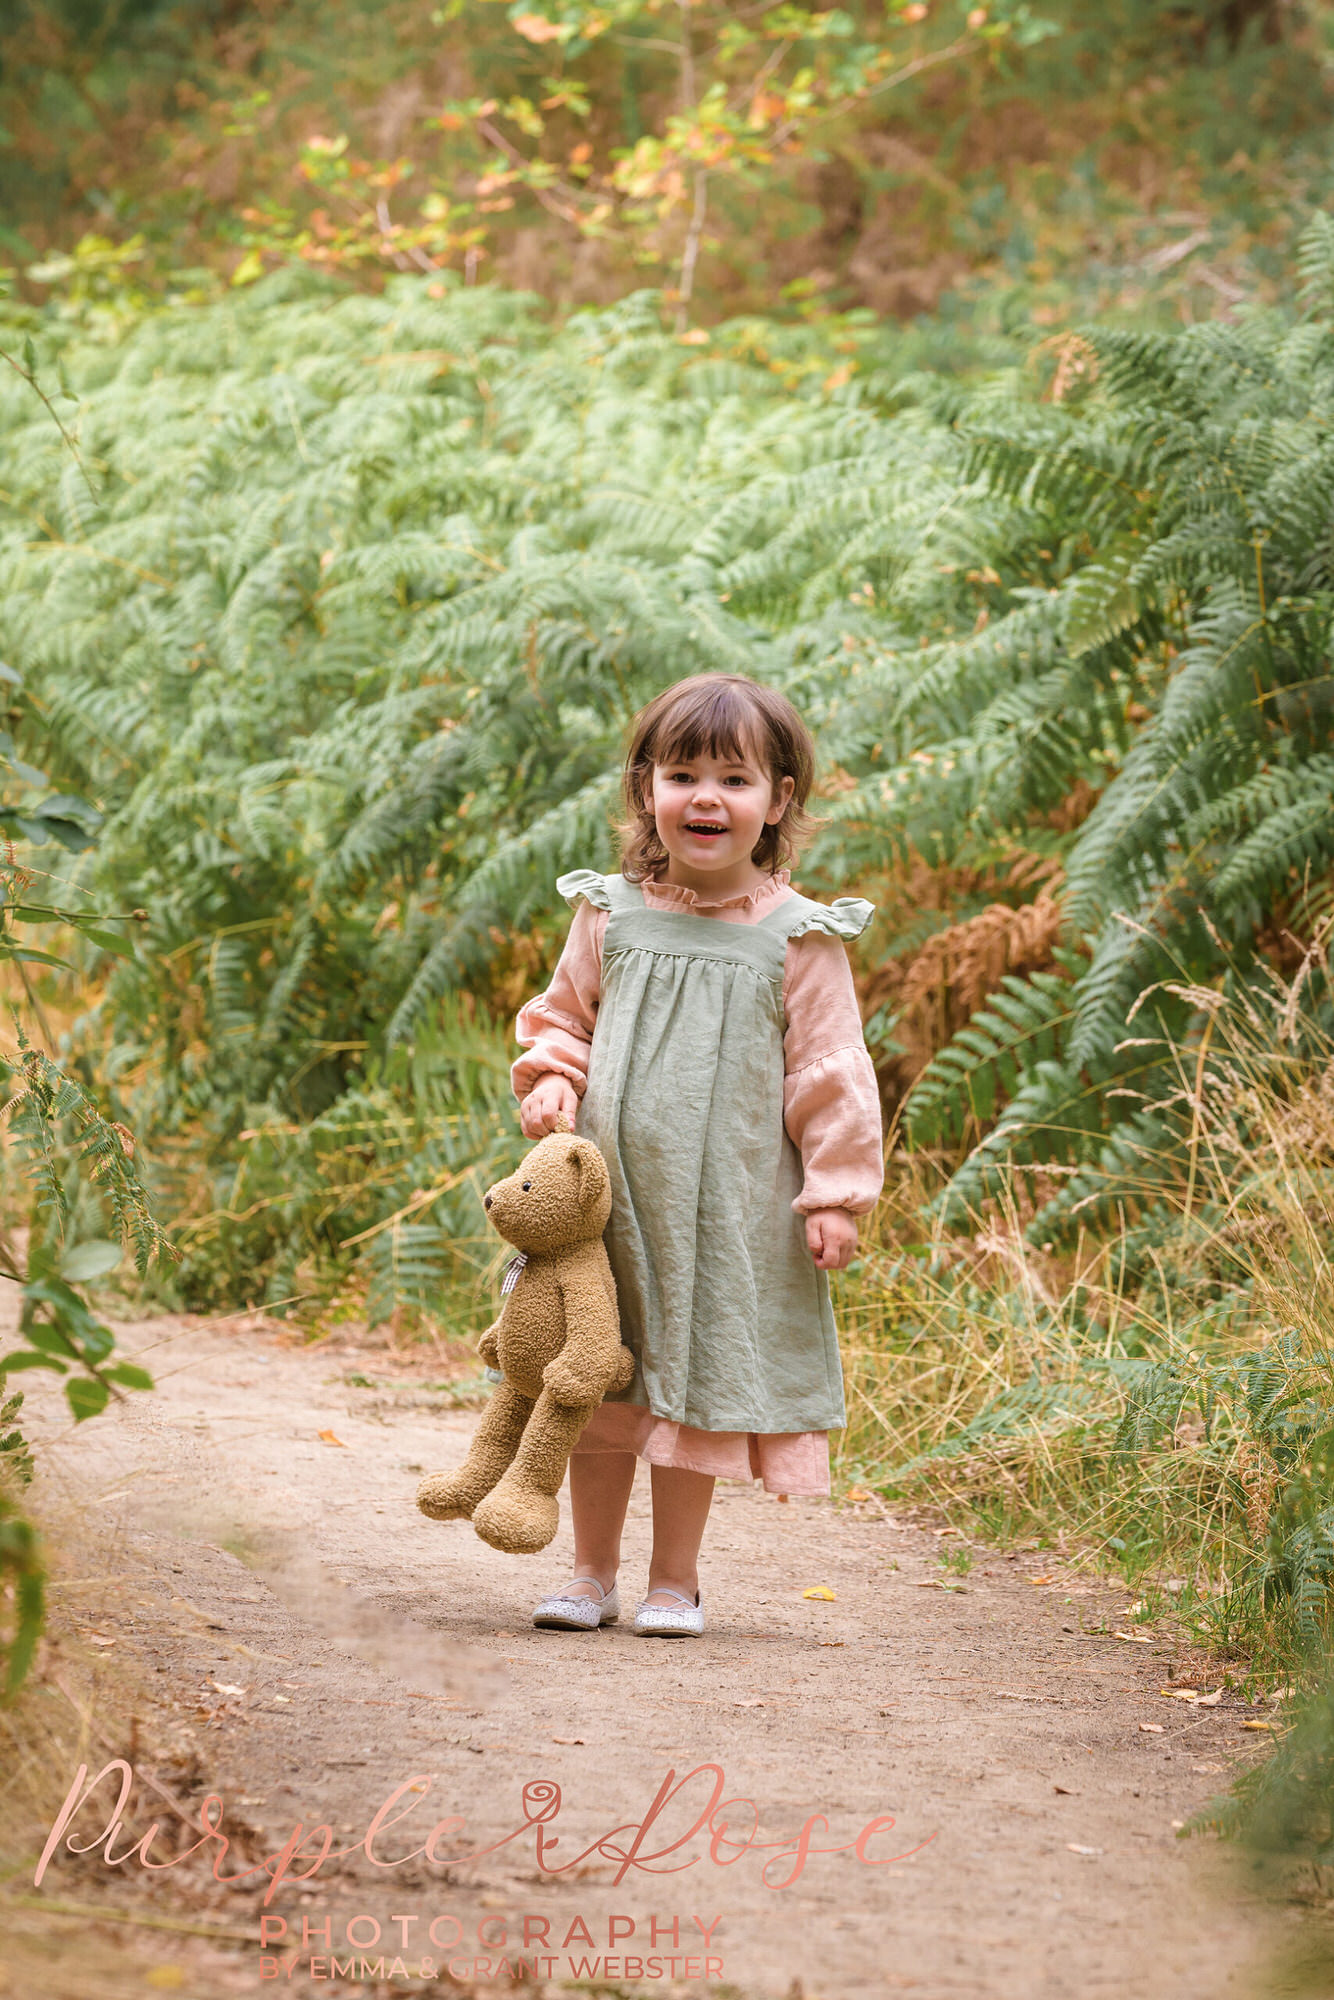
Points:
(710, 812)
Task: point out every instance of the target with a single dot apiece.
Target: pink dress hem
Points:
(787, 1461)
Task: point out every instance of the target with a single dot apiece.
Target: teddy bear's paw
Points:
(625, 1369)
(517, 1520)
(444, 1497)
(572, 1391)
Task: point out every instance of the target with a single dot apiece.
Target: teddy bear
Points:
(557, 1342)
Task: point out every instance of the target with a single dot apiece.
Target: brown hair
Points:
(716, 715)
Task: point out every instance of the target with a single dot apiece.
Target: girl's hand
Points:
(544, 1103)
(831, 1238)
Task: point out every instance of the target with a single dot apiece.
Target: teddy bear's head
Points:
(560, 1195)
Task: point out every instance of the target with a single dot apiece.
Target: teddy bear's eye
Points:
(526, 1186)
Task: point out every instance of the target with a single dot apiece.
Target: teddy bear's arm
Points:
(588, 1363)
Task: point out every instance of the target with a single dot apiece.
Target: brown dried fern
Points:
(937, 991)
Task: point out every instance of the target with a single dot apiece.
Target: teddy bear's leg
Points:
(520, 1515)
(449, 1496)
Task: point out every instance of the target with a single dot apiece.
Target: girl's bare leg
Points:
(600, 1483)
(681, 1503)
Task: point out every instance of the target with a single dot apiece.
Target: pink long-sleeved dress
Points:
(831, 1111)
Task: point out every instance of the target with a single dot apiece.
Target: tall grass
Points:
(1162, 1398)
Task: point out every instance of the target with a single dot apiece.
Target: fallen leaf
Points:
(1210, 1700)
(833, 1642)
(939, 1583)
(1177, 1825)
(1152, 1728)
(1179, 1694)
(327, 1437)
(1075, 1848)
(856, 1494)
(1065, 1791)
(225, 1687)
(285, 1699)
(98, 1639)
(1134, 1638)
(569, 1739)
(822, 1591)
(1041, 1579)
(1257, 1725)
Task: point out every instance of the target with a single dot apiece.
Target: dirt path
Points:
(359, 1646)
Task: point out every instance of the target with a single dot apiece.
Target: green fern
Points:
(346, 646)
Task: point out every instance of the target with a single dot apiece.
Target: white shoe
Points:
(664, 1621)
(563, 1613)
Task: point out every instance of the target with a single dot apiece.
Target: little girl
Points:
(701, 1027)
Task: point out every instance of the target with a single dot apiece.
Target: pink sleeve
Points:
(831, 1102)
(556, 1027)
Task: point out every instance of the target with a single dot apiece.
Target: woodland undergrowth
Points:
(338, 607)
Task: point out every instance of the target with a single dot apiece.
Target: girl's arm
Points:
(831, 1102)
(555, 1029)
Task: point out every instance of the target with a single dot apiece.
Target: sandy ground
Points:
(309, 1644)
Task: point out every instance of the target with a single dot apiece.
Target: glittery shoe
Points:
(664, 1621)
(578, 1614)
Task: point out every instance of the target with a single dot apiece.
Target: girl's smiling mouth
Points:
(704, 829)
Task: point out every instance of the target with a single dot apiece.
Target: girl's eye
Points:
(687, 777)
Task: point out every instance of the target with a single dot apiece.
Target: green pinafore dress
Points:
(729, 1320)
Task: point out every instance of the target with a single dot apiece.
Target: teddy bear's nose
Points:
(486, 1202)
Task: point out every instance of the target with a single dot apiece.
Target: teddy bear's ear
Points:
(587, 1167)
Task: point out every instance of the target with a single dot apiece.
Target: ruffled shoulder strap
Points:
(604, 892)
(846, 917)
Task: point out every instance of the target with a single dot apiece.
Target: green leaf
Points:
(131, 1376)
(93, 1259)
(107, 939)
(27, 774)
(87, 1396)
(26, 955)
(22, 1357)
(50, 1339)
(53, 1291)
